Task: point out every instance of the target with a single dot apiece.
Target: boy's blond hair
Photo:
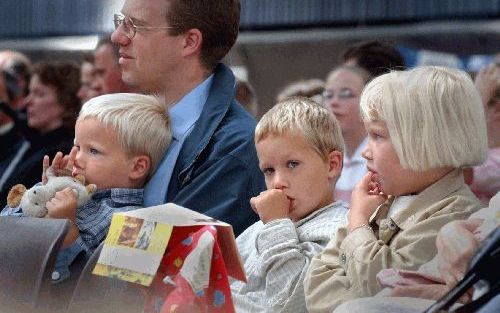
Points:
(434, 116)
(140, 121)
(318, 126)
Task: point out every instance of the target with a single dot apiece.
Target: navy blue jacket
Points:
(217, 170)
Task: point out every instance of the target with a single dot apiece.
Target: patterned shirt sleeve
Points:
(94, 218)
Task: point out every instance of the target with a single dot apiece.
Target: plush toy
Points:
(32, 201)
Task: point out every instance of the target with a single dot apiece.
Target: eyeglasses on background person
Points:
(343, 94)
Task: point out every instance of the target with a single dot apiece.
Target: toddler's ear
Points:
(335, 161)
(140, 167)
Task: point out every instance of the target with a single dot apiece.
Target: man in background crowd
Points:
(108, 75)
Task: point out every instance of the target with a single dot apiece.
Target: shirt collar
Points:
(127, 196)
(410, 207)
(400, 203)
(186, 111)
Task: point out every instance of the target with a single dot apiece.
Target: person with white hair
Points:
(424, 126)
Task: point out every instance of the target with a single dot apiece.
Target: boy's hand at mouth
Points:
(271, 204)
(365, 198)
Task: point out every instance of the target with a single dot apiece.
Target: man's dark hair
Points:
(217, 20)
(376, 57)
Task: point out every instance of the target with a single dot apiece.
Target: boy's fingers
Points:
(45, 166)
(68, 191)
(65, 193)
(70, 159)
(56, 162)
(45, 162)
(253, 203)
(49, 205)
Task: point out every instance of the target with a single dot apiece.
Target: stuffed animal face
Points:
(33, 200)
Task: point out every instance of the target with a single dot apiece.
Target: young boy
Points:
(424, 125)
(300, 148)
(119, 141)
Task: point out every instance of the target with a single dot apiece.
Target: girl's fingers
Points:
(373, 186)
(365, 182)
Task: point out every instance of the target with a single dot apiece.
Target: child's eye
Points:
(268, 171)
(292, 164)
(375, 136)
(93, 151)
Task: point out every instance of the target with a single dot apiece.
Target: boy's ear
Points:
(193, 40)
(335, 161)
(140, 167)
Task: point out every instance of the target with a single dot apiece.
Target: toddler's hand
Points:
(63, 205)
(365, 198)
(271, 204)
(61, 164)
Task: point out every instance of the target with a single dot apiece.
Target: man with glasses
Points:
(174, 48)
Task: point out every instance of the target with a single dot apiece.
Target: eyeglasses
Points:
(129, 28)
(344, 94)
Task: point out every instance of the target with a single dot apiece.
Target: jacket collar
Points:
(439, 190)
(220, 96)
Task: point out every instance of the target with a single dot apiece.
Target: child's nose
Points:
(280, 181)
(366, 153)
(78, 159)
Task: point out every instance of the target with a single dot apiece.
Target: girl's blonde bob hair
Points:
(299, 114)
(140, 122)
(434, 116)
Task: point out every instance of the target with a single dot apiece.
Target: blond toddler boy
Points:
(119, 141)
(300, 148)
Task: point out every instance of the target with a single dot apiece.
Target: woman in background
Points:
(52, 107)
(341, 96)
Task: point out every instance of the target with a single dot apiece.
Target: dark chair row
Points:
(28, 250)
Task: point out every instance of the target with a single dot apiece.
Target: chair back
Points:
(28, 250)
(95, 293)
